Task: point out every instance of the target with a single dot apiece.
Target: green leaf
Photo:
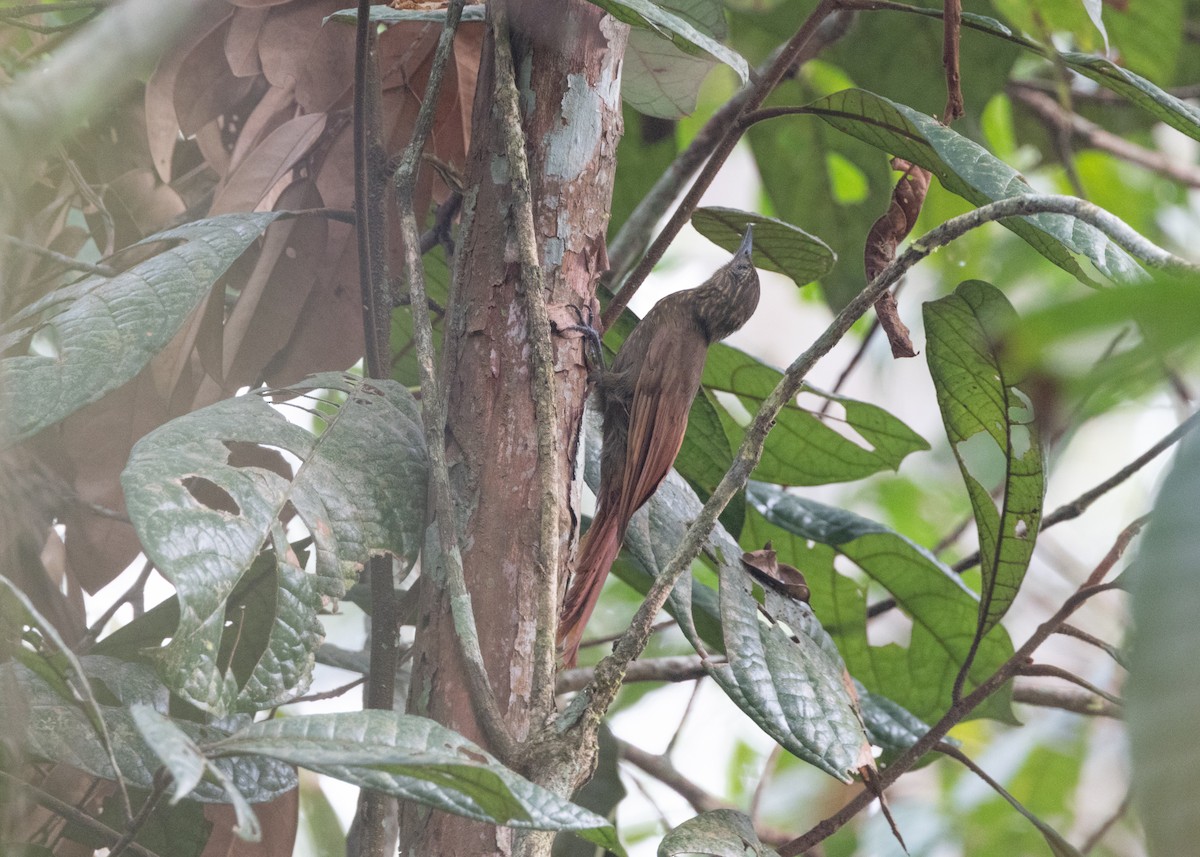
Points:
(778, 246)
(651, 16)
(414, 758)
(721, 833)
(188, 765)
(811, 197)
(1157, 102)
(660, 80)
(944, 613)
(178, 752)
(57, 731)
(706, 454)
(990, 424)
(967, 169)
(789, 680)
(1163, 693)
(105, 330)
(801, 449)
(360, 490)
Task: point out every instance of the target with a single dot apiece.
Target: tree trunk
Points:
(567, 57)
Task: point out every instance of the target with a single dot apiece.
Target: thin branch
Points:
(94, 632)
(74, 815)
(661, 769)
(1114, 652)
(1080, 504)
(1034, 670)
(375, 810)
(330, 694)
(1066, 700)
(684, 668)
(1091, 134)
(433, 410)
(370, 215)
(61, 258)
(162, 779)
(542, 360)
(951, 25)
(965, 760)
(759, 90)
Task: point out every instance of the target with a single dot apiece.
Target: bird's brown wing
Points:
(658, 413)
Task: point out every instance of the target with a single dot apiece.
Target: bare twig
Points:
(74, 815)
(162, 778)
(684, 668)
(61, 258)
(1066, 700)
(1091, 134)
(951, 23)
(433, 410)
(1114, 652)
(965, 760)
(94, 632)
(371, 234)
(1033, 670)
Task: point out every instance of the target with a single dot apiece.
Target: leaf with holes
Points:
(778, 246)
(203, 520)
(990, 424)
(105, 330)
(414, 758)
(969, 170)
(804, 448)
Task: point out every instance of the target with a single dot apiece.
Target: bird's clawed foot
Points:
(593, 352)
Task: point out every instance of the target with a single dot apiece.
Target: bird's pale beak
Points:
(747, 244)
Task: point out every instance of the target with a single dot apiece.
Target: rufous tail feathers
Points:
(600, 546)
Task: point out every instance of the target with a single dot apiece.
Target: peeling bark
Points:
(567, 57)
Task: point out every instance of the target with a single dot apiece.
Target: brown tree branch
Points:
(1091, 134)
(1077, 703)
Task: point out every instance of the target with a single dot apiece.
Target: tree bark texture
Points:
(567, 57)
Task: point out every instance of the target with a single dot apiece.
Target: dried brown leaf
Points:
(241, 42)
(297, 51)
(205, 86)
(276, 288)
(764, 566)
(277, 106)
(249, 185)
(146, 203)
(162, 124)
